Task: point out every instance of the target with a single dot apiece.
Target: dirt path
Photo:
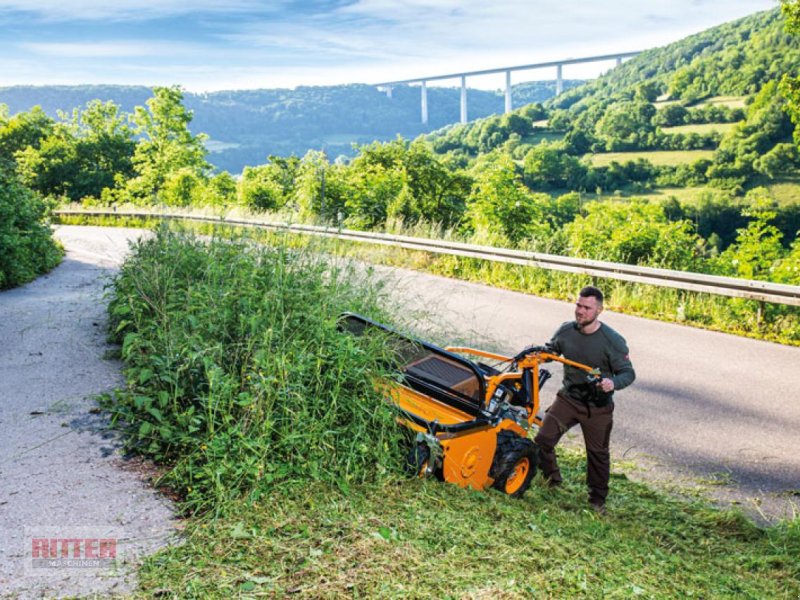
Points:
(61, 475)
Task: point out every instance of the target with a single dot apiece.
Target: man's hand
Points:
(607, 385)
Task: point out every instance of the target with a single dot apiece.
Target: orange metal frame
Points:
(468, 456)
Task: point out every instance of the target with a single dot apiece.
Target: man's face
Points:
(587, 310)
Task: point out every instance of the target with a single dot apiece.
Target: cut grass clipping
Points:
(238, 378)
(426, 539)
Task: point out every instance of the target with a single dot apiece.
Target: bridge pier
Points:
(559, 80)
(424, 101)
(463, 99)
(558, 64)
(508, 92)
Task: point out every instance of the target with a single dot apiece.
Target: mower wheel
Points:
(514, 464)
(417, 460)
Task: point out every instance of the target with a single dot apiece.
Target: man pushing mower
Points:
(590, 404)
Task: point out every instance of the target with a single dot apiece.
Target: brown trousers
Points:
(596, 423)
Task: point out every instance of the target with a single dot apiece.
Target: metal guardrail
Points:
(763, 291)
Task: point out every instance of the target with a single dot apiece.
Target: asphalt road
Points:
(709, 412)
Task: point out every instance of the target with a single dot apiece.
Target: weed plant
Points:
(238, 378)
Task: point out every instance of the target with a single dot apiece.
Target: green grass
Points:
(426, 539)
(656, 157)
(729, 101)
(785, 190)
(237, 377)
(700, 128)
(535, 138)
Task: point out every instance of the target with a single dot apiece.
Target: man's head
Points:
(588, 308)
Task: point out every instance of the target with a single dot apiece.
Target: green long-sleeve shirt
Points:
(605, 349)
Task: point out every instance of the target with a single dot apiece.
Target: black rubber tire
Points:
(417, 459)
(511, 450)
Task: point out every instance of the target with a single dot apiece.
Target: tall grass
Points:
(773, 322)
(238, 378)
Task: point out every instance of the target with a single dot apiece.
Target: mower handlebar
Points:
(529, 350)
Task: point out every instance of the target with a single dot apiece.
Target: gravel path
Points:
(61, 473)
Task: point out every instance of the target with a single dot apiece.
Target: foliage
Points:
(22, 130)
(82, 156)
(237, 376)
(500, 206)
(27, 248)
(636, 233)
(244, 126)
(167, 145)
(757, 247)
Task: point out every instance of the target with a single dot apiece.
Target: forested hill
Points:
(733, 59)
(709, 110)
(246, 126)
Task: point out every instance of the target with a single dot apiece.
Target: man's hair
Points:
(590, 290)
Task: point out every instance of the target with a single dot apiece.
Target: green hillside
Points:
(712, 101)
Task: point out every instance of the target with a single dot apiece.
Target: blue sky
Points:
(208, 45)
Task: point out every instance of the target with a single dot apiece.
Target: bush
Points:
(27, 248)
(237, 375)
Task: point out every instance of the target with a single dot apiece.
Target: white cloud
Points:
(120, 49)
(124, 10)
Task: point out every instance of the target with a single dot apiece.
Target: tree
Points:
(625, 125)
(636, 233)
(500, 207)
(758, 246)
(781, 159)
(790, 86)
(257, 190)
(167, 145)
(26, 244)
(85, 154)
(23, 130)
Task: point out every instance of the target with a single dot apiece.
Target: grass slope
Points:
(269, 427)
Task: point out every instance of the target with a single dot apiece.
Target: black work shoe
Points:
(599, 508)
(552, 483)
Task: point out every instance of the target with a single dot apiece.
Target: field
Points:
(729, 101)
(656, 157)
(538, 136)
(700, 128)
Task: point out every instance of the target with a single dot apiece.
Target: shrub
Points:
(27, 248)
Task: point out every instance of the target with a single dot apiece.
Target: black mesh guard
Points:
(427, 368)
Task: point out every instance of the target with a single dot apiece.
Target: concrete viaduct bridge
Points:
(558, 64)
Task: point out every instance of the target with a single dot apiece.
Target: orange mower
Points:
(471, 419)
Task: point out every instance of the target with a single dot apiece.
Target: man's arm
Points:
(621, 367)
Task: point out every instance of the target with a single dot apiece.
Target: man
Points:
(590, 342)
